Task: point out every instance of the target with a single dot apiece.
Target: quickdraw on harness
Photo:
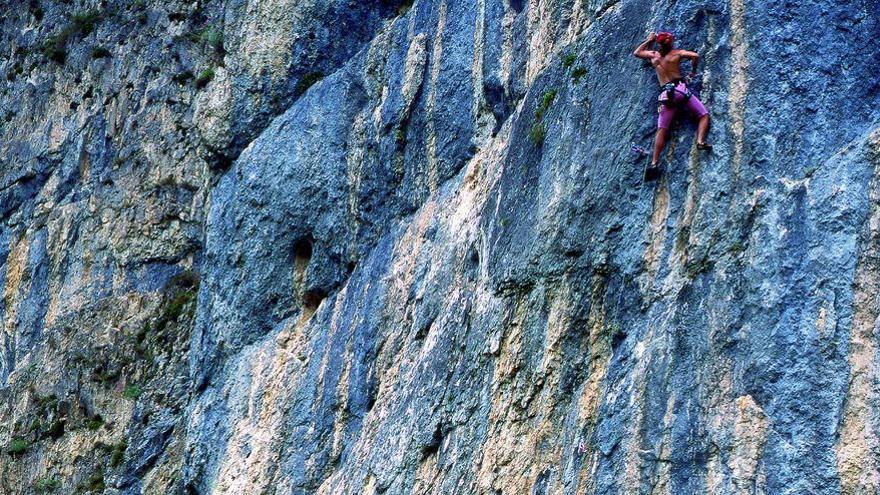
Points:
(671, 88)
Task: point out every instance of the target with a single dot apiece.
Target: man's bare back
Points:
(668, 67)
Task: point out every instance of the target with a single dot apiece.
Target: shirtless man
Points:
(674, 92)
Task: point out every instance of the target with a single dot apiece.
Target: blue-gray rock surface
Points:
(336, 247)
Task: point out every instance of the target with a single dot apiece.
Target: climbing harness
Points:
(671, 88)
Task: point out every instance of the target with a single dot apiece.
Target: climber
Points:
(674, 92)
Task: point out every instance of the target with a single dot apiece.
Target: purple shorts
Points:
(667, 112)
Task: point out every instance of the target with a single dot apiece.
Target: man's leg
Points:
(659, 143)
(664, 120)
(696, 108)
(702, 129)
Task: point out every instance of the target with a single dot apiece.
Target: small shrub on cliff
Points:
(47, 484)
(118, 453)
(736, 248)
(578, 73)
(17, 446)
(54, 49)
(537, 133)
(94, 483)
(568, 60)
(211, 37)
(696, 267)
(174, 309)
(546, 101)
(132, 392)
(400, 136)
(204, 78)
(95, 423)
(82, 23)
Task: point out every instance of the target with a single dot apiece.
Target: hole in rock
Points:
(312, 299)
(302, 254)
(434, 446)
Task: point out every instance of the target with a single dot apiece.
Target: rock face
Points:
(317, 246)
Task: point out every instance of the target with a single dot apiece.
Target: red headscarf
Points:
(665, 38)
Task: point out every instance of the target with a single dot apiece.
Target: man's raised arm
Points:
(642, 50)
(694, 57)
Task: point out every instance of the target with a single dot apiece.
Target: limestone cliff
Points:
(333, 247)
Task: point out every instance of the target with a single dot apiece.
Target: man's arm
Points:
(642, 50)
(694, 57)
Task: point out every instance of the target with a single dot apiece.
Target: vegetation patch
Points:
(84, 22)
(132, 391)
(54, 49)
(546, 100)
(204, 78)
(103, 374)
(153, 336)
(17, 447)
(211, 37)
(94, 483)
(50, 421)
(81, 24)
(174, 308)
(47, 485)
(95, 422)
(187, 279)
(697, 267)
(578, 73)
(736, 248)
(568, 60)
(537, 133)
(117, 453)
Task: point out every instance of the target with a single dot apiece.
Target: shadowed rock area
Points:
(328, 247)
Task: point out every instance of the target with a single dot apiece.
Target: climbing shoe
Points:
(652, 172)
(704, 146)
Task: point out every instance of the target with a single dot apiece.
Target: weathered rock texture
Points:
(331, 247)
